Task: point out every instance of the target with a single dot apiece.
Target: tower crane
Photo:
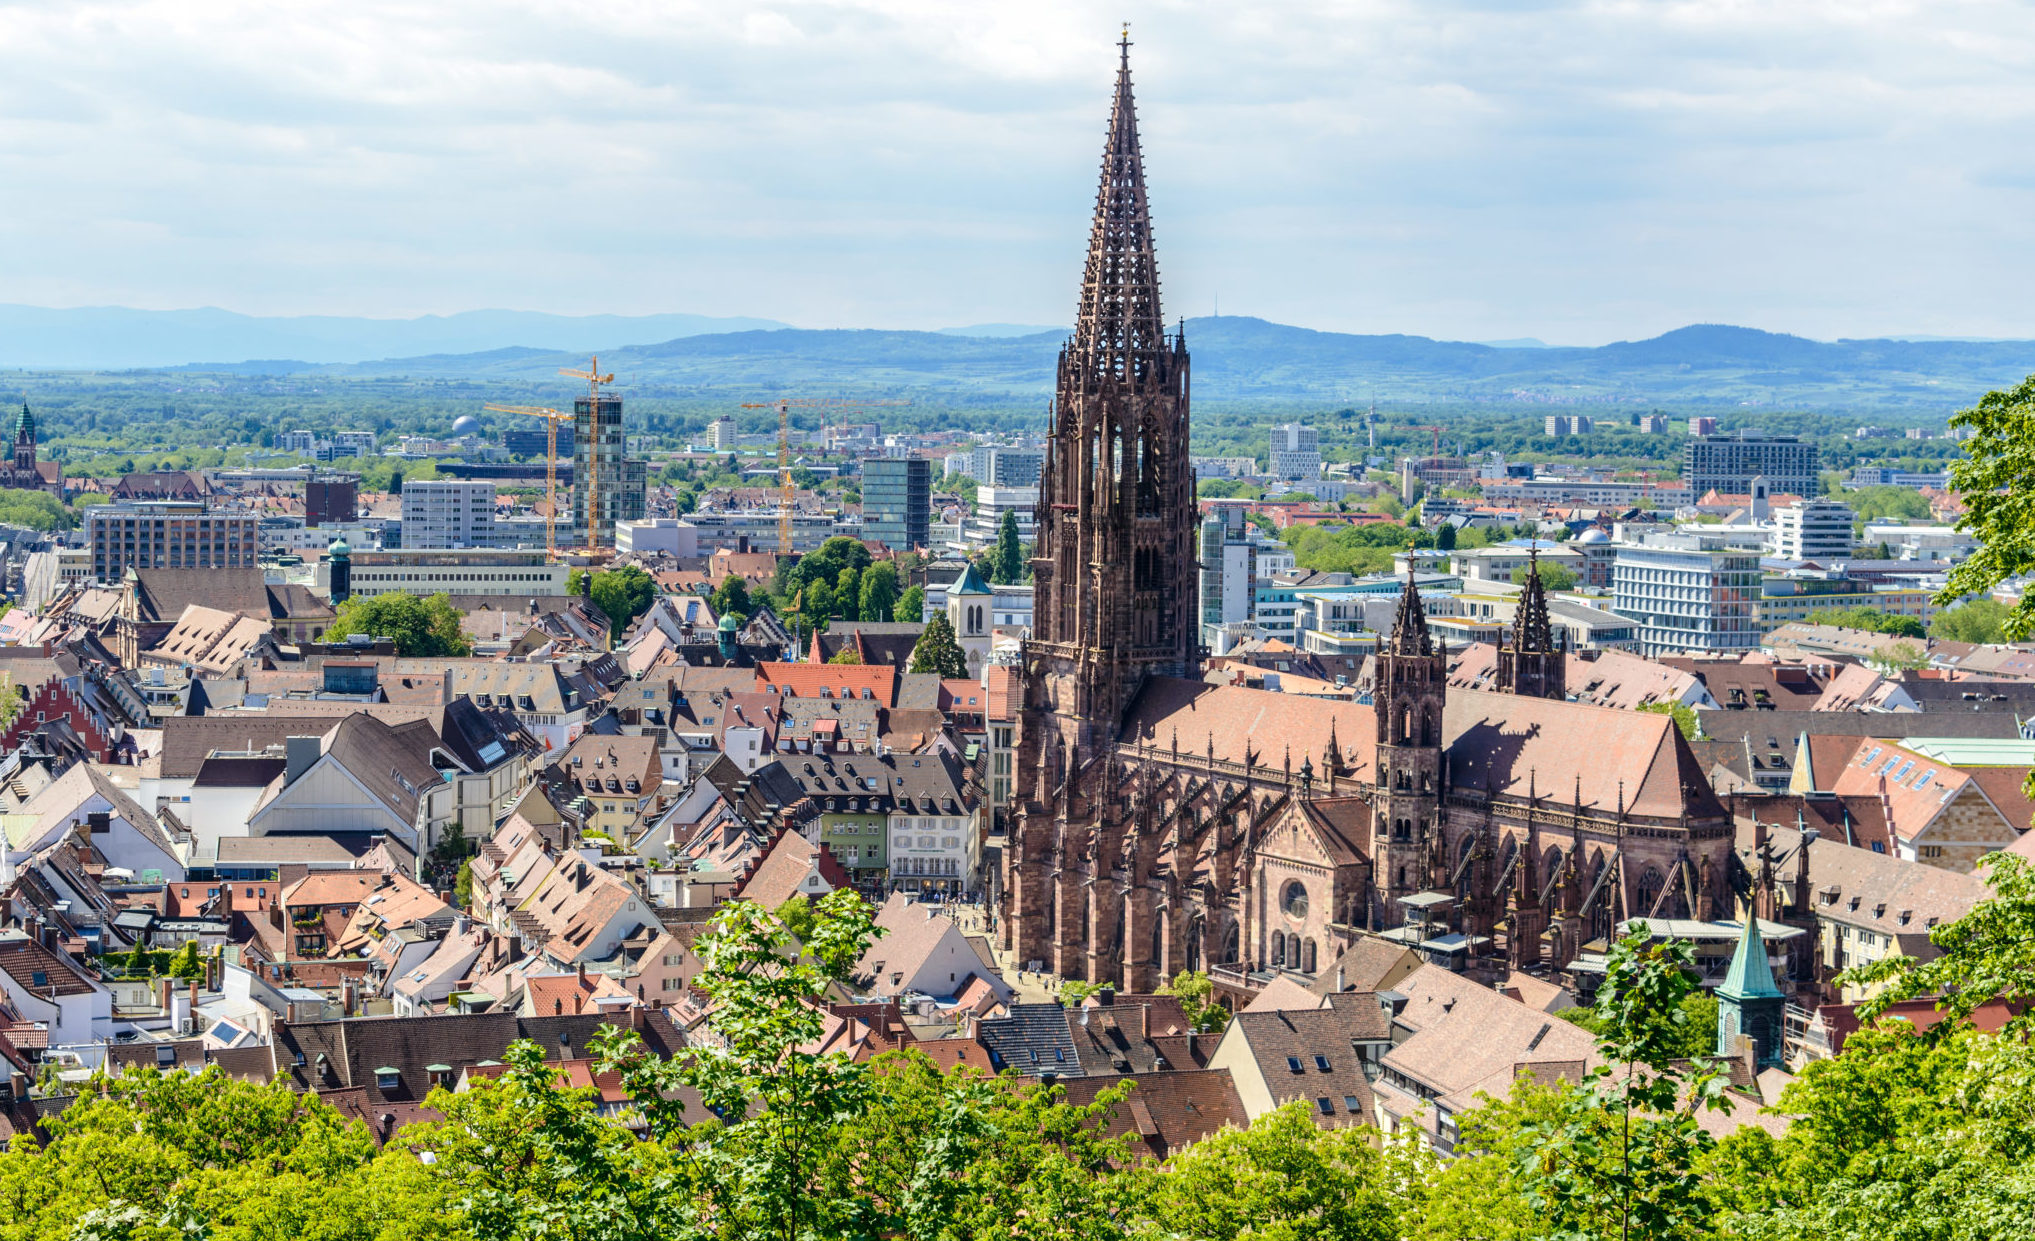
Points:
(1436, 450)
(787, 493)
(551, 419)
(594, 378)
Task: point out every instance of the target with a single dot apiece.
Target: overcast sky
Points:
(1576, 172)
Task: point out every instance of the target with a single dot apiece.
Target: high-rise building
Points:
(1005, 466)
(1729, 463)
(1295, 452)
(1815, 529)
(721, 434)
(1229, 562)
(440, 514)
(1688, 593)
(607, 486)
(1568, 424)
(529, 443)
(897, 502)
(1702, 426)
(168, 534)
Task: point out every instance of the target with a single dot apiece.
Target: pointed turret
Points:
(1118, 330)
(1748, 1002)
(1529, 663)
(1409, 628)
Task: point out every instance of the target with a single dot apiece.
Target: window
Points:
(1327, 1108)
(1321, 1062)
(1350, 1104)
(1294, 902)
(1293, 1065)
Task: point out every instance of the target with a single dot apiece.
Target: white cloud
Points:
(1575, 171)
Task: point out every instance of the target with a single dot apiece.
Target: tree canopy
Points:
(1996, 480)
(938, 651)
(418, 626)
(1872, 620)
(622, 594)
(1979, 621)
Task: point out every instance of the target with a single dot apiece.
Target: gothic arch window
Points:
(1158, 946)
(1402, 876)
(1278, 947)
(1232, 944)
(1651, 881)
(1307, 956)
(1195, 929)
(1469, 877)
(1405, 723)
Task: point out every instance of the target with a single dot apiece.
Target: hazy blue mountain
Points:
(1002, 329)
(1517, 342)
(1239, 359)
(116, 337)
(1236, 360)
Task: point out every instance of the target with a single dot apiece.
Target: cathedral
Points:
(1163, 823)
(26, 473)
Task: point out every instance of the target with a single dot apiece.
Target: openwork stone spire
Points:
(1119, 332)
(1531, 629)
(1530, 664)
(1409, 629)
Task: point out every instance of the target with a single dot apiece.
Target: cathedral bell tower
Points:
(24, 442)
(1409, 685)
(1113, 567)
(1530, 664)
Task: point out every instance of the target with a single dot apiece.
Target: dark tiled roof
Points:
(1785, 726)
(1168, 1111)
(1308, 1038)
(162, 594)
(1034, 1038)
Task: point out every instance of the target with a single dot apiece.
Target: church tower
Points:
(1113, 566)
(1748, 1002)
(1529, 662)
(24, 443)
(1409, 685)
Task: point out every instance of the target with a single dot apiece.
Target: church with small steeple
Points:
(27, 472)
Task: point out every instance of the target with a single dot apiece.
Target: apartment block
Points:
(168, 534)
(440, 514)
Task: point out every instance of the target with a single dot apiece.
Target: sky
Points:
(1579, 173)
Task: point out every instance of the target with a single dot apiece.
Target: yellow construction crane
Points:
(787, 493)
(551, 419)
(594, 379)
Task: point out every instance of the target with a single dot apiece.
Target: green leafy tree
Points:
(1994, 478)
(731, 597)
(1885, 502)
(418, 626)
(911, 606)
(1197, 1000)
(1872, 620)
(1979, 621)
(1619, 1156)
(1552, 576)
(761, 1177)
(462, 887)
(847, 594)
(1900, 657)
(937, 651)
(621, 594)
(846, 655)
(879, 592)
(37, 510)
(1686, 719)
(1445, 538)
(1010, 554)
(1283, 1177)
(185, 964)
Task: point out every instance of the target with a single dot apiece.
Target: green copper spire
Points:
(24, 426)
(1752, 975)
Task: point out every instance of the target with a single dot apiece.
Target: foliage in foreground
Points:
(1907, 1136)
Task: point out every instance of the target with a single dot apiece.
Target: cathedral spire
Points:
(1118, 332)
(1531, 629)
(1409, 629)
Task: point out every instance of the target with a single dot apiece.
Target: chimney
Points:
(1144, 1021)
(1106, 996)
(300, 753)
